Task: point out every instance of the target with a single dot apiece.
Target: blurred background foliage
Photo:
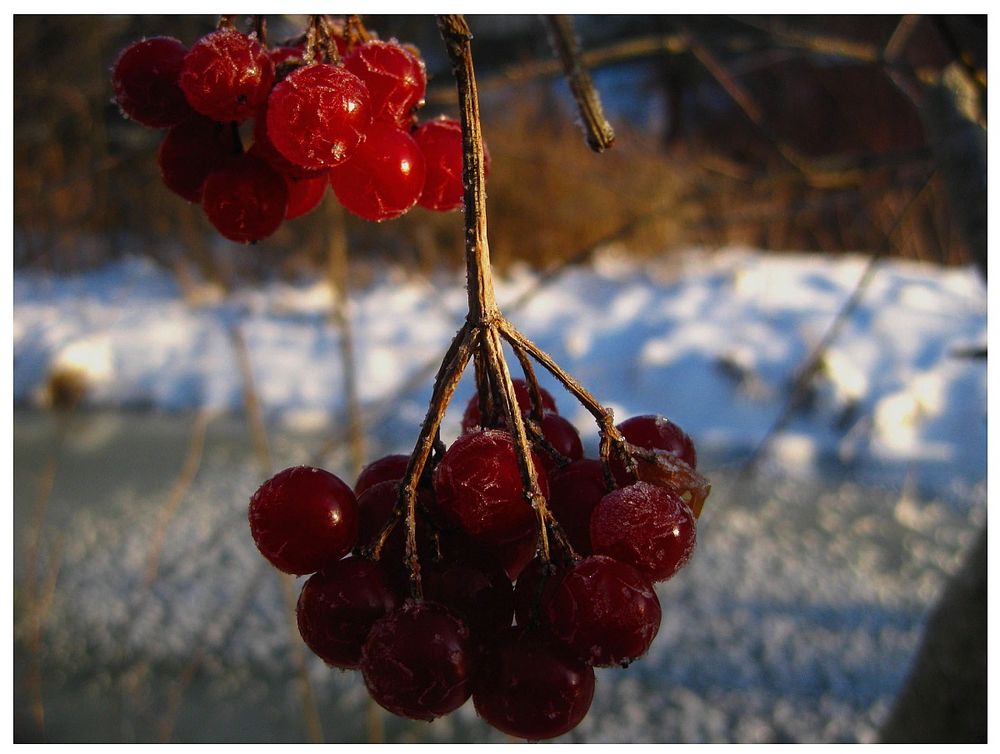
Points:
(785, 133)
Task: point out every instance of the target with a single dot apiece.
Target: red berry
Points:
(227, 75)
(384, 177)
(304, 195)
(246, 199)
(563, 438)
(395, 78)
(263, 148)
(338, 607)
(604, 610)
(472, 417)
(478, 486)
(534, 585)
(474, 584)
(190, 151)
(318, 115)
(303, 519)
(145, 82)
(575, 490)
(390, 467)
(419, 661)
(292, 55)
(531, 687)
(516, 553)
(647, 527)
(441, 142)
(658, 432)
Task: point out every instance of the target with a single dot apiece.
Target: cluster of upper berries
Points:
(340, 114)
(497, 621)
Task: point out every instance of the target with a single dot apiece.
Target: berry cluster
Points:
(337, 109)
(493, 615)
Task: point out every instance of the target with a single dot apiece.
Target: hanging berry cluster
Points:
(336, 107)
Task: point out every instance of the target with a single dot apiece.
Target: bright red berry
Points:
(531, 687)
(604, 610)
(304, 195)
(303, 519)
(263, 147)
(246, 199)
(647, 527)
(441, 142)
(575, 490)
(145, 82)
(338, 607)
(395, 78)
(384, 177)
(227, 75)
(472, 417)
(478, 486)
(190, 151)
(318, 115)
(419, 661)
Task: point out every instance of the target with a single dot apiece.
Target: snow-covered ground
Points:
(796, 620)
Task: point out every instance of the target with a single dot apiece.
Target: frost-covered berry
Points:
(227, 75)
(246, 199)
(145, 82)
(395, 78)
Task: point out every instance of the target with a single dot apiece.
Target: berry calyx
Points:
(318, 115)
(303, 519)
(145, 80)
(395, 78)
(227, 75)
(384, 176)
(419, 661)
(246, 199)
(441, 142)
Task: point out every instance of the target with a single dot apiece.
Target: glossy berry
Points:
(227, 75)
(318, 115)
(391, 467)
(658, 432)
(145, 82)
(474, 584)
(395, 78)
(478, 487)
(384, 176)
(288, 55)
(563, 438)
(575, 490)
(419, 661)
(647, 527)
(604, 610)
(441, 142)
(246, 199)
(263, 148)
(338, 607)
(190, 151)
(531, 687)
(304, 195)
(473, 417)
(303, 519)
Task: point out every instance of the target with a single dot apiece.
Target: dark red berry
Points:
(303, 519)
(190, 151)
(472, 417)
(441, 142)
(563, 438)
(338, 607)
(246, 199)
(604, 610)
(516, 553)
(478, 487)
(531, 687)
(395, 78)
(658, 432)
(227, 75)
(384, 176)
(387, 468)
(647, 527)
(304, 195)
(534, 584)
(419, 661)
(145, 82)
(575, 490)
(318, 115)
(474, 584)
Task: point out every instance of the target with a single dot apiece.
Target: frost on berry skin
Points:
(419, 661)
(531, 687)
(145, 82)
(263, 148)
(227, 75)
(604, 610)
(396, 79)
(338, 606)
(246, 199)
(190, 151)
(647, 527)
(473, 418)
(384, 176)
(318, 115)
(304, 195)
(478, 487)
(303, 519)
(576, 489)
(441, 142)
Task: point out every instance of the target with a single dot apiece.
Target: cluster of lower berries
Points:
(337, 110)
(498, 621)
